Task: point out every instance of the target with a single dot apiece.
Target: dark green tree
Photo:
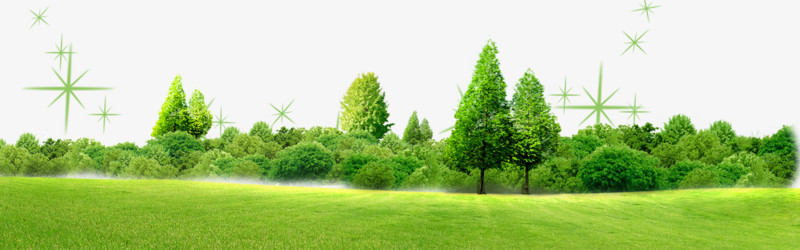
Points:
(363, 107)
(482, 132)
(412, 133)
(375, 175)
(303, 161)
(536, 131)
(174, 114)
(200, 118)
(618, 168)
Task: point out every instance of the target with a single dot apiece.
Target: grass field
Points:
(50, 213)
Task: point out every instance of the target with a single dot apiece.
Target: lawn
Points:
(91, 213)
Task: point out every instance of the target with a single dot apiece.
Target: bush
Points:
(557, 175)
(177, 143)
(403, 167)
(355, 162)
(263, 163)
(438, 177)
(55, 148)
(141, 167)
(261, 130)
(678, 171)
(619, 168)
(246, 169)
(228, 134)
(12, 160)
(700, 178)
(206, 168)
(36, 165)
(375, 175)
(730, 173)
(288, 137)
(303, 161)
(244, 144)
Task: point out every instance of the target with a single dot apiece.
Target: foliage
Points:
(174, 114)
(199, 117)
(245, 144)
(262, 130)
(412, 134)
(177, 143)
(679, 171)
(228, 134)
(403, 167)
(29, 142)
(668, 154)
(425, 130)
(581, 145)
(678, 126)
(149, 168)
(55, 148)
(363, 107)
(288, 137)
(394, 143)
(482, 132)
(723, 131)
(700, 178)
(642, 138)
(535, 130)
(355, 162)
(557, 175)
(303, 161)
(703, 146)
(619, 168)
(375, 175)
(246, 169)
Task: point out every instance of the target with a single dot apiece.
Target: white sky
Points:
(711, 60)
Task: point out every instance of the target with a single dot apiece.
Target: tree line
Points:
(498, 144)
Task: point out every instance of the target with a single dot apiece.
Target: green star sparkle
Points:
(61, 52)
(104, 114)
(220, 122)
(282, 113)
(646, 9)
(564, 95)
(634, 42)
(599, 106)
(38, 17)
(635, 110)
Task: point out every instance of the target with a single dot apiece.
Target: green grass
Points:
(70, 213)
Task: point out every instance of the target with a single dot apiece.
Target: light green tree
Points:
(678, 126)
(481, 137)
(425, 130)
(535, 128)
(412, 135)
(174, 113)
(363, 107)
(200, 118)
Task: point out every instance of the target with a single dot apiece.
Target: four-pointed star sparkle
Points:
(39, 17)
(646, 9)
(282, 113)
(634, 42)
(61, 52)
(634, 110)
(68, 88)
(599, 105)
(564, 95)
(220, 122)
(104, 114)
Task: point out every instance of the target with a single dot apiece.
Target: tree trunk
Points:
(482, 188)
(525, 185)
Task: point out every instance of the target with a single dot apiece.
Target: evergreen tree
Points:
(425, 130)
(364, 108)
(174, 115)
(200, 117)
(482, 132)
(412, 134)
(535, 128)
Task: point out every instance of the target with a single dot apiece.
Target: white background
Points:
(711, 60)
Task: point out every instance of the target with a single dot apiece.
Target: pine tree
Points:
(200, 118)
(425, 130)
(412, 134)
(482, 132)
(174, 115)
(536, 131)
(363, 107)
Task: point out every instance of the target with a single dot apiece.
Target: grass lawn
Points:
(71, 213)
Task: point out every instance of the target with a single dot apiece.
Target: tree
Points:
(228, 134)
(28, 141)
(482, 132)
(536, 131)
(412, 134)
(200, 118)
(244, 144)
(678, 126)
(723, 131)
(262, 130)
(303, 161)
(642, 138)
(425, 130)
(174, 114)
(288, 137)
(363, 107)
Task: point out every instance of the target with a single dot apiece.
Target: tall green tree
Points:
(678, 126)
(412, 134)
(536, 131)
(363, 107)
(200, 118)
(482, 132)
(425, 130)
(174, 114)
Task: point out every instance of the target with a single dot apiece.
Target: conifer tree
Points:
(363, 107)
(174, 115)
(425, 130)
(412, 134)
(482, 132)
(200, 118)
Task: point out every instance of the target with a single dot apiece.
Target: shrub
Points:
(303, 161)
(228, 134)
(700, 178)
(263, 163)
(141, 167)
(246, 169)
(261, 130)
(244, 144)
(558, 174)
(729, 173)
(55, 148)
(288, 137)
(678, 171)
(403, 167)
(375, 175)
(205, 168)
(355, 162)
(12, 160)
(177, 143)
(619, 168)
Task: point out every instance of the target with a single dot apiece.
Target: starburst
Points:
(634, 42)
(61, 52)
(39, 17)
(282, 113)
(104, 114)
(208, 105)
(460, 96)
(68, 89)
(220, 122)
(634, 110)
(646, 9)
(564, 95)
(599, 105)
